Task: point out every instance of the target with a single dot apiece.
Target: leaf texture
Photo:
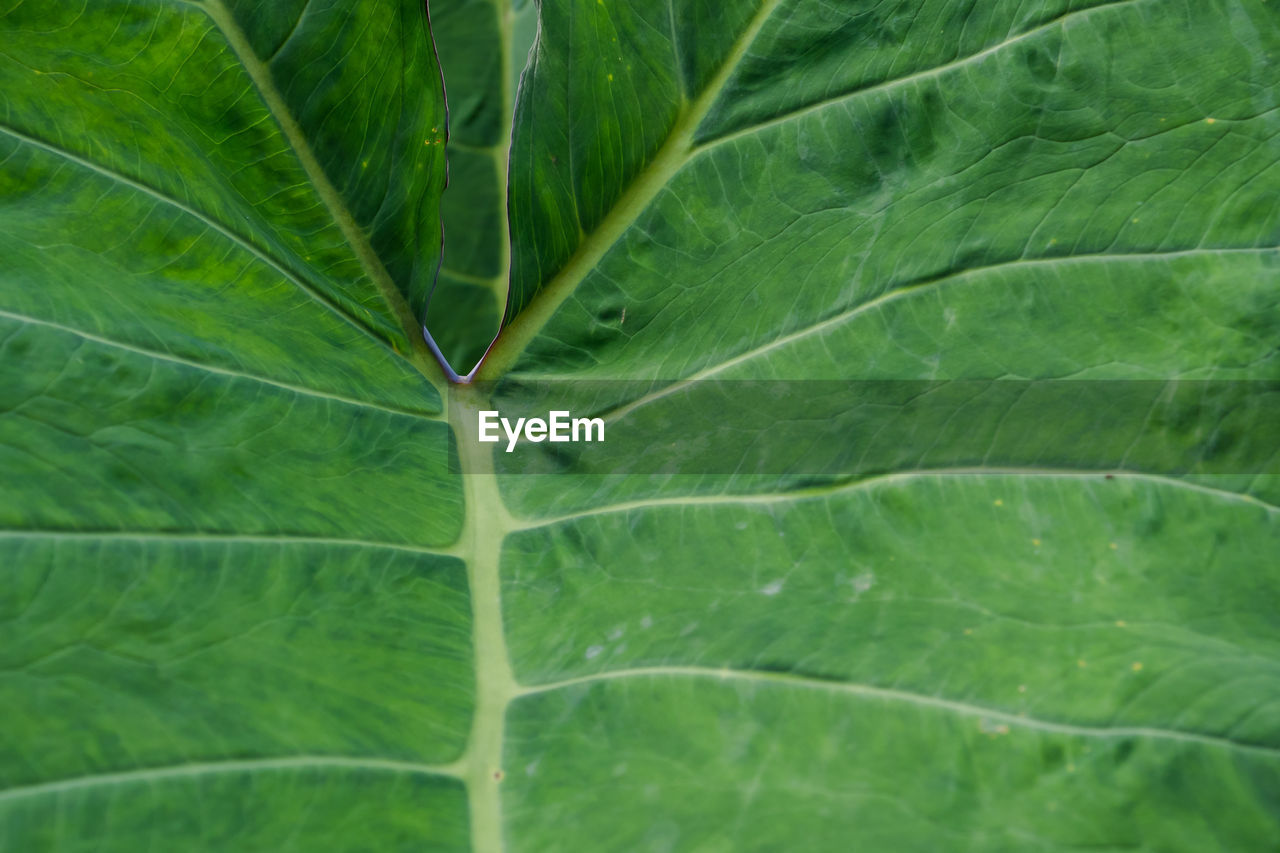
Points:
(886, 549)
(483, 45)
(226, 495)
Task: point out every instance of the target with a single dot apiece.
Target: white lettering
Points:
(488, 422)
(558, 427)
(513, 435)
(587, 425)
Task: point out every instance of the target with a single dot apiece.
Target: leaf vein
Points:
(900, 292)
(876, 480)
(219, 539)
(890, 694)
(208, 368)
(208, 768)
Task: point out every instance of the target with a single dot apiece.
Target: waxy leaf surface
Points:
(880, 552)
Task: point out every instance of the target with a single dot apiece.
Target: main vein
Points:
(484, 529)
(487, 520)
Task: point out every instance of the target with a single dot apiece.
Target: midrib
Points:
(487, 521)
(372, 265)
(485, 526)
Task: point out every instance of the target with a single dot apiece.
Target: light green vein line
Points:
(260, 74)
(211, 768)
(878, 480)
(178, 537)
(485, 525)
(668, 160)
(906, 290)
(799, 682)
(923, 74)
(221, 371)
(200, 216)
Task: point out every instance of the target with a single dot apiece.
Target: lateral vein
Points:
(633, 201)
(873, 481)
(202, 217)
(221, 371)
(219, 539)
(923, 74)
(800, 682)
(260, 74)
(839, 319)
(208, 768)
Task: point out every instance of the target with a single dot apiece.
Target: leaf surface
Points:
(226, 498)
(886, 549)
(1038, 636)
(483, 46)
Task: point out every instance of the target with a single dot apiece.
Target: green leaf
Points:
(927, 648)
(855, 569)
(227, 504)
(483, 46)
